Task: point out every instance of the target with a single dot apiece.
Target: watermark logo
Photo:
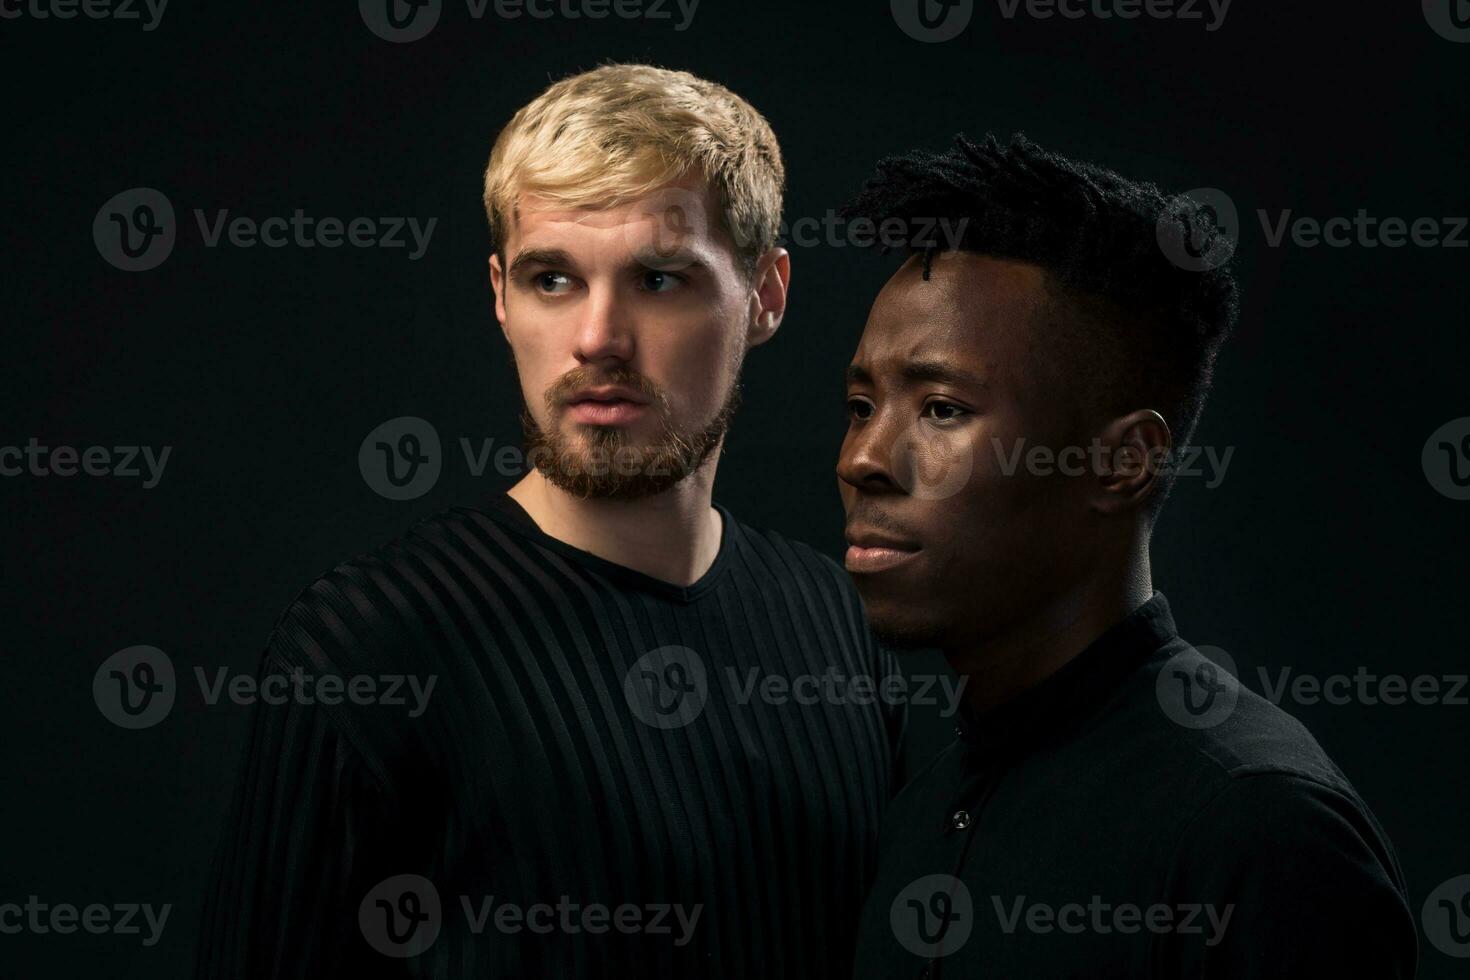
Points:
(667, 687)
(932, 21)
(1197, 687)
(401, 916)
(1446, 459)
(400, 21)
(1199, 230)
(135, 230)
(401, 459)
(933, 916)
(134, 688)
(931, 464)
(1202, 694)
(671, 218)
(1446, 917)
(1449, 18)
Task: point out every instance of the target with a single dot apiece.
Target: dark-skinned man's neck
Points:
(1002, 667)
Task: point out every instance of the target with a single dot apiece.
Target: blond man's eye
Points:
(553, 282)
(655, 281)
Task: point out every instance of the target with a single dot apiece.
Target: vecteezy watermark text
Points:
(35, 459)
(124, 10)
(136, 230)
(135, 688)
(668, 688)
(1202, 229)
(937, 21)
(1364, 687)
(299, 687)
(403, 458)
(1098, 459)
(834, 687)
(402, 21)
(63, 918)
(1103, 918)
(835, 231)
(402, 916)
(1185, 10)
(1364, 230)
(570, 918)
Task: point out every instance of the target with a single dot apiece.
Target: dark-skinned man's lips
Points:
(871, 551)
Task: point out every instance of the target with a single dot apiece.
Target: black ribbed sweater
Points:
(592, 741)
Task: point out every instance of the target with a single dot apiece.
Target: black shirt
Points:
(1138, 814)
(612, 776)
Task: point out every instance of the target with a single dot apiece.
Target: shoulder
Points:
(1248, 778)
(361, 647)
(1270, 806)
(1304, 881)
(1309, 876)
(1200, 718)
(362, 613)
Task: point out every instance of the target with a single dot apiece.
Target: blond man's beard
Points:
(602, 462)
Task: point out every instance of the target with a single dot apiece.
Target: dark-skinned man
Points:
(1115, 803)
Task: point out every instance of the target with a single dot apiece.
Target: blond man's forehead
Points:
(682, 216)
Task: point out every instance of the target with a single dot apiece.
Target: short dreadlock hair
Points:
(1134, 329)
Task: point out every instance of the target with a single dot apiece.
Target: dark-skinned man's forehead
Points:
(943, 330)
(972, 287)
(918, 366)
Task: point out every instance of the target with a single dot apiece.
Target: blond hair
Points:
(619, 132)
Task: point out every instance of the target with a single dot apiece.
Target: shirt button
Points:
(960, 820)
(959, 731)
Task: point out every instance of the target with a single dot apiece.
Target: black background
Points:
(1324, 549)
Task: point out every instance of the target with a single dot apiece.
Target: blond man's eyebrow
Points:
(538, 256)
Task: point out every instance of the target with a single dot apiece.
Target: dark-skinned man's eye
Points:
(943, 411)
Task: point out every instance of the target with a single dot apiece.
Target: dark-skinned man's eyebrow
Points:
(941, 372)
(538, 256)
(921, 371)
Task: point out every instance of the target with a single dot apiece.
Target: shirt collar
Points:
(1071, 694)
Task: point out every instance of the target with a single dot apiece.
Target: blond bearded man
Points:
(634, 762)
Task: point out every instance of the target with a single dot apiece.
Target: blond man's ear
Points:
(768, 297)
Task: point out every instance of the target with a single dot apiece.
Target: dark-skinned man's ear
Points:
(1138, 447)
